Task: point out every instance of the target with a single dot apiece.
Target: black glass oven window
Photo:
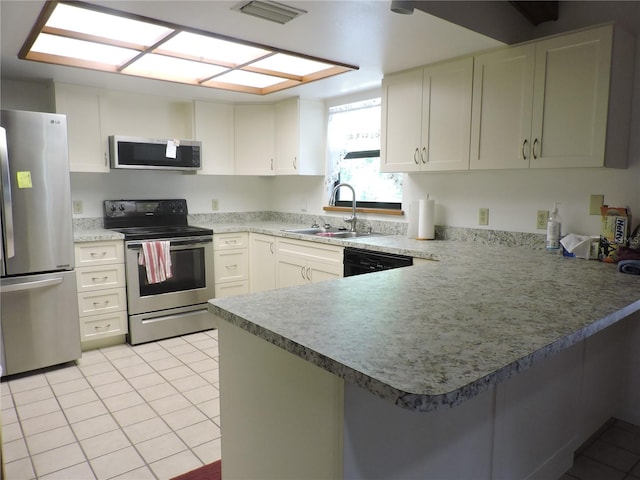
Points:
(188, 268)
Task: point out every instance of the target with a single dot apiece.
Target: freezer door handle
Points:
(20, 287)
(5, 179)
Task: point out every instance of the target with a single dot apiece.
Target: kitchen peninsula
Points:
(494, 362)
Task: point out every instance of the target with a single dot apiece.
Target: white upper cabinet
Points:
(255, 139)
(571, 101)
(560, 102)
(214, 127)
(502, 106)
(300, 137)
(426, 118)
(148, 116)
(87, 151)
(401, 140)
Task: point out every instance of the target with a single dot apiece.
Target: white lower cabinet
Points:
(262, 262)
(101, 283)
(299, 262)
(231, 264)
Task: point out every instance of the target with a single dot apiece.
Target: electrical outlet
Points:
(542, 219)
(214, 204)
(483, 216)
(77, 207)
(595, 202)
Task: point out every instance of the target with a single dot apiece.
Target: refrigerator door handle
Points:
(7, 207)
(20, 287)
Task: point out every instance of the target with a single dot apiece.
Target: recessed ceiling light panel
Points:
(211, 49)
(99, 38)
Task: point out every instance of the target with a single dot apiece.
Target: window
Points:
(354, 150)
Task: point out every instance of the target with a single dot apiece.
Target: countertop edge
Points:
(423, 402)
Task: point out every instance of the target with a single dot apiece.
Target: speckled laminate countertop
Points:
(429, 336)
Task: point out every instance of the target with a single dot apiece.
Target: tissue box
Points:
(614, 231)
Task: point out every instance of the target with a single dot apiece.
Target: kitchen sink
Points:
(331, 232)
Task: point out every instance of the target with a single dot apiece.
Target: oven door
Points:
(192, 282)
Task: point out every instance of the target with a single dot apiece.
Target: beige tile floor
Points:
(152, 412)
(613, 453)
(146, 412)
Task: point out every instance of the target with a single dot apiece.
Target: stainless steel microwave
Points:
(154, 153)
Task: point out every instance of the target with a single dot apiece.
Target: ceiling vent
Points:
(273, 11)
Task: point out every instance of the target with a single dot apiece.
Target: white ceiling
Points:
(356, 32)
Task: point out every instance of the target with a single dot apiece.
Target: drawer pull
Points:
(103, 327)
(98, 254)
(106, 302)
(99, 279)
(231, 242)
(231, 267)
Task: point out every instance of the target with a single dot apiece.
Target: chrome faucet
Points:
(353, 219)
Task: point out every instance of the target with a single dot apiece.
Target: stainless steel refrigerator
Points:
(38, 304)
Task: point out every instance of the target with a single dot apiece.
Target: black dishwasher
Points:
(358, 261)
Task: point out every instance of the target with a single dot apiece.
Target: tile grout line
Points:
(85, 376)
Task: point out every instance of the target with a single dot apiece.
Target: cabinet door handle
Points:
(423, 154)
(271, 247)
(415, 156)
(271, 164)
(524, 144)
(309, 273)
(533, 150)
(295, 166)
(302, 273)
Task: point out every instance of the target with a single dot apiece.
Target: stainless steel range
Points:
(169, 268)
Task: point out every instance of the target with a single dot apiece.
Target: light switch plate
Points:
(77, 207)
(483, 216)
(595, 202)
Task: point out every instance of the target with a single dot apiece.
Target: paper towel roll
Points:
(426, 219)
(412, 228)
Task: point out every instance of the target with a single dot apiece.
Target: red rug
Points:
(206, 472)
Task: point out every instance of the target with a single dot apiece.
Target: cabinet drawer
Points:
(232, 288)
(100, 277)
(104, 325)
(231, 265)
(102, 301)
(227, 241)
(99, 253)
(310, 251)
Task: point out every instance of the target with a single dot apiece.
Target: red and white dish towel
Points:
(156, 257)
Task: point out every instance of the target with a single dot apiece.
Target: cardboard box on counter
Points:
(614, 231)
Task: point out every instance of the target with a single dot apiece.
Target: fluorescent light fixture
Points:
(255, 80)
(290, 64)
(212, 49)
(81, 50)
(267, 10)
(89, 36)
(173, 69)
(97, 24)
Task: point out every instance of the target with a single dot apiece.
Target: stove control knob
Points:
(112, 207)
(121, 207)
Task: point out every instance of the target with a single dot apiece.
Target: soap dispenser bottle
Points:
(553, 229)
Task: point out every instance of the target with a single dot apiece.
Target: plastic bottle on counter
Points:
(553, 229)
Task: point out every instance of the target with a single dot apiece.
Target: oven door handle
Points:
(177, 242)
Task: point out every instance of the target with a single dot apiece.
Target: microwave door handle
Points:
(7, 205)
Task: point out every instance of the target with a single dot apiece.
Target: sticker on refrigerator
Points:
(24, 179)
